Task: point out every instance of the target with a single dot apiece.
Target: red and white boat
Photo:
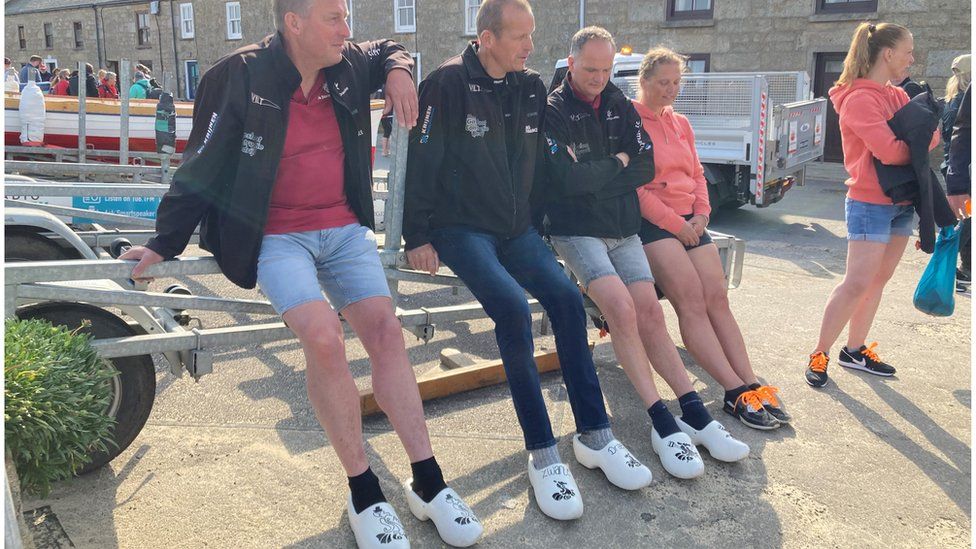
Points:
(103, 122)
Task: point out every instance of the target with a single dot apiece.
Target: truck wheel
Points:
(30, 246)
(133, 389)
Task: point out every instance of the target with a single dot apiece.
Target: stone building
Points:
(181, 39)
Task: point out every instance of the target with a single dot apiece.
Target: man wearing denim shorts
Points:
(473, 163)
(598, 155)
(278, 169)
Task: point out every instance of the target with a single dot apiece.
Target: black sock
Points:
(755, 386)
(365, 490)
(662, 419)
(733, 395)
(693, 411)
(427, 479)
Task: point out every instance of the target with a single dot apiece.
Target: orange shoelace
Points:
(818, 362)
(768, 394)
(750, 398)
(869, 352)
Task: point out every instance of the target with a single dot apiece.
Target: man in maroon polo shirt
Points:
(277, 174)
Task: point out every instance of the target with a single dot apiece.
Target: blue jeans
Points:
(496, 271)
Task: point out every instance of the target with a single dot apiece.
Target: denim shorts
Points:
(294, 268)
(877, 222)
(591, 258)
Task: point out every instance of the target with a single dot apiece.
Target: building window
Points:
(349, 19)
(186, 20)
(142, 28)
(847, 6)
(79, 40)
(690, 9)
(234, 31)
(48, 35)
(699, 62)
(471, 16)
(404, 16)
(22, 36)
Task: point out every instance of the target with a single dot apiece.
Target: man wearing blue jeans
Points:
(277, 173)
(473, 163)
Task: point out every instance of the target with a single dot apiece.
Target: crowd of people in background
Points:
(62, 81)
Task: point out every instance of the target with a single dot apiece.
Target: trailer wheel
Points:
(29, 246)
(133, 389)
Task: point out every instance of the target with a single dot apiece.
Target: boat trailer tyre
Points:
(133, 389)
(29, 246)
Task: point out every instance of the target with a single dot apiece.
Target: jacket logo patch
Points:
(342, 91)
(210, 131)
(360, 133)
(476, 127)
(258, 100)
(530, 129)
(475, 88)
(611, 116)
(252, 144)
(425, 126)
(580, 149)
(552, 145)
(373, 52)
(576, 117)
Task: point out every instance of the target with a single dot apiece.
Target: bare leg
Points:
(712, 276)
(863, 315)
(676, 275)
(330, 386)
(863, 263)
(658, 345)
(617, 306)
(394, 383)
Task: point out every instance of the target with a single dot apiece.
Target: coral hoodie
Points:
(864, 108)
(679, 187)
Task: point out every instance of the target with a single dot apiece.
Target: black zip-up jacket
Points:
(914, 124)
(594, 195)
(91, 85)
(239, 121)
(959, 156)
(459, 168)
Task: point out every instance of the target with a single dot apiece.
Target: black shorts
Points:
(650, 232)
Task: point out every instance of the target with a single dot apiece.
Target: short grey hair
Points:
(490, 14)
(586, 34)
(281, 7)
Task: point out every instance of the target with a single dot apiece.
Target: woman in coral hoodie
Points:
(877, 229)
(684, 261)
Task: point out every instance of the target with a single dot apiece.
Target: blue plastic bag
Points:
(936, 290)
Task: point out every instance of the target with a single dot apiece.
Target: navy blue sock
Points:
(693, 411)
(365, 490)
(754, 386)
(662, 419)
(427, 479)
(732, 395)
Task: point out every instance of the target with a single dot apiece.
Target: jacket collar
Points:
(288, 78)
(476, 71)
(611, 93)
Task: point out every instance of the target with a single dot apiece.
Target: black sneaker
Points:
(963, 276)
(963, 288)
(750, 411)
(817, 369)
(865, 359)
(773, 404)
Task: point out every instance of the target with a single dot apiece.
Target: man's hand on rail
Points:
(145, 257)
(423, 258)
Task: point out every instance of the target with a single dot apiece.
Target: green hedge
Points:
(58, 392)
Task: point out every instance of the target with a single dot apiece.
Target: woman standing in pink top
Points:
(877, 229)
(683, 259)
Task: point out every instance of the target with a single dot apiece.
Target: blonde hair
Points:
(656, 56)
(868, 41)
(960, 78)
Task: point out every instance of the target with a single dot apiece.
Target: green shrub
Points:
(58, 392)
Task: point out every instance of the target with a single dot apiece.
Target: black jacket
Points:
(460, 170)
(91, 86)
(239, 121)
(914, 124)
(594, 195)
(958, 177)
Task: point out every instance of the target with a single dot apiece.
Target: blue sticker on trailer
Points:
(134, 206)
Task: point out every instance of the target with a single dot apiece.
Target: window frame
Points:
(78, 33)
(140, 40)
(231, 35)
(48, 38)
(398, 26)
(848, 6)
(22, 37)
(706, 57)
(673, 14)
(470, 23)
(186, 8)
